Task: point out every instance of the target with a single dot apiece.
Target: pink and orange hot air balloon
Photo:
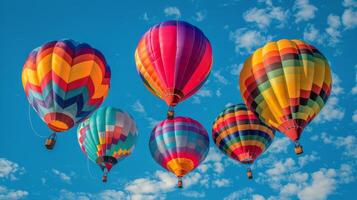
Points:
(174, 60)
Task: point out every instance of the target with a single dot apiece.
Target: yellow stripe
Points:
(180, 166)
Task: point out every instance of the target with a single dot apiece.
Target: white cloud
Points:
(354, 116)
(257, 197)
(8, 169)
(138, 107)
(349, 3)
(194, 194)
(354, 89)
(349, 18)
(219, 78)
(304, 10)
(332, 111)
(312, 34)
(218, 93)
(172, 11)
(323, 183)
(68, 195)
(263, 17)
(247, 40)
(64, 177)
(303, 160)
(239, 194)
(336, 85)
(235, 69)
(203, 92)
(214, 161)
(285, 176)
(334, 24)
(223, 182)
(279, 145)
(9, 194)
(200, 16)
(111, 194)
(348, 143)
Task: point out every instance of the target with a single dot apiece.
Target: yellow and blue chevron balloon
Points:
(65, 82)
(107, 137)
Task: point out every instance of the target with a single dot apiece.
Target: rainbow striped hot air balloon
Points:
(174, 60)
(107, 137)
(286, 83)
(65, 82)
(179, 145)
(238, 133)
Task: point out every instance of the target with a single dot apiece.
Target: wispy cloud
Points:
(172, 11)
(9, 194)
(64, 177)
(138, 107)
(263, 17)
(222, 182)
(220, 78)
(194, 194)
(200, 15)
(247, 40)
(9, 169)
(348, 143)
(304, 11)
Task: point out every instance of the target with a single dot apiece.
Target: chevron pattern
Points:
(65, 82)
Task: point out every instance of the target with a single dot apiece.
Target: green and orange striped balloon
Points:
(238, 133)
(286, 83)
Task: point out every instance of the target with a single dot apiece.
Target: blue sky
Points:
(327, 169)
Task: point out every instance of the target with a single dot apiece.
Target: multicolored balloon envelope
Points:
(238, 133)
(179, 145)
(65, 82)
(174, 59)
(107, 137)
(286, 83)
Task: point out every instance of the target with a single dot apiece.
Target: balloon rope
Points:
(33, 129)
(89, 172)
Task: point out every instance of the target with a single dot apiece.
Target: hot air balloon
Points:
(65, 82)
(174, 59)
(239, 134)
(179, 145)
(286, 83)
(107, 137)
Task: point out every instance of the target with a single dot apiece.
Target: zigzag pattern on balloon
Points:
(65, 78)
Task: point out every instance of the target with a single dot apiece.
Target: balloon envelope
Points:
(286, 83)
(108, 136)
(239, 134)
(65, 82)
(174, 60)
(179, 145)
